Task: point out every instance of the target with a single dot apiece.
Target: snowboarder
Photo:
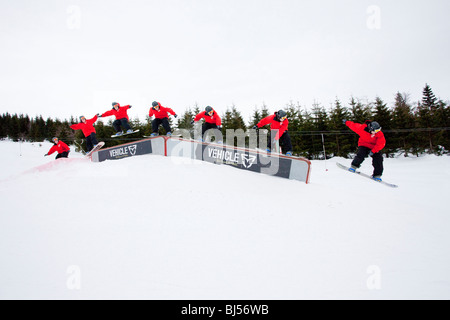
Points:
(60, 147)
(87, 126)
(161, 117)
(278, 123)
(212, 121)
(371, 142)
(121, 122)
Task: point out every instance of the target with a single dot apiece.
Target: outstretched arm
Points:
(107, 113)
(265, 121)
(199, 116)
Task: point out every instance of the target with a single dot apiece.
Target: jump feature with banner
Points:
(245, 159)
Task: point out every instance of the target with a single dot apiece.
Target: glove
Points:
(344, 121)
(130, 106)
(45, 154)
(99, 115)
(371, 153)
(175, 115)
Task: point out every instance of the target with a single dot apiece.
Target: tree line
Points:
(410, 128)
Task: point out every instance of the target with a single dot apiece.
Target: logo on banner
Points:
(232, 157)
(248, 160)
(133, 149)
(123, 152)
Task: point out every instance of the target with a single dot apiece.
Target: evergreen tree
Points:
(310, 145)
(3, 133)
(184, 121)
(426, 114)
(383, 116)
(265, 111)
(14, 128)
(256, 117)
(359, 112)
(294, 116)
(341, 144)
(403, 118)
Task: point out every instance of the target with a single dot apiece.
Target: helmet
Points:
(155, 104)
(281, 114)
(208, 110)
(374, 126)
(82, 117)
(114, 103)
(55, 138)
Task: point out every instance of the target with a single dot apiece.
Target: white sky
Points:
(61, 58)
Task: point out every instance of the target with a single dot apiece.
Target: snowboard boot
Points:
(154, 134)
(377, 178)
(169, 134)
(119, 133)
(289, 153)
(352, 169)
(130, 131)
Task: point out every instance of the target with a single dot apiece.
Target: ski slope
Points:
(153, 227)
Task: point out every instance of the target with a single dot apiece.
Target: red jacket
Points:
(274, 125)
(375, 142)
(87, 127)
(162, 113)
(214, 119)
(60, 148)
(119, 114)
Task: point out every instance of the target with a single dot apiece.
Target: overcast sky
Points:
(61, 58)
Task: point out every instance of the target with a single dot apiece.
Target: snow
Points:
(153, 227)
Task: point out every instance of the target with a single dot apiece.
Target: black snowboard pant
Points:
(207, 126)
(285, 143)
(164, 122)
(91, 141)
(62, 155)
(377, 160)
(121, 123)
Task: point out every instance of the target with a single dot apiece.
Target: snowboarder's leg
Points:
(62, 155)
(362, 153)
(204, 128)
(89, 143)
(377, 162)
(166, 125)
(94, 138)
(207, 126)
(125, 125)
(285, 143)
(116, 125)
(155, 125)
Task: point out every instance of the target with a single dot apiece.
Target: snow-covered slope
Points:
(151, 227)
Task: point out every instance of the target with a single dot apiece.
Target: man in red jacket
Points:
(60, 147)
(371, 142)
(279, 126)
(120, 112)
(87, 126)
(212, 121)
(161, 117)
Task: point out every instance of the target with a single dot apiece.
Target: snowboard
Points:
(173, 135)
(96, 148)
(366, 176)
(124, 134)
